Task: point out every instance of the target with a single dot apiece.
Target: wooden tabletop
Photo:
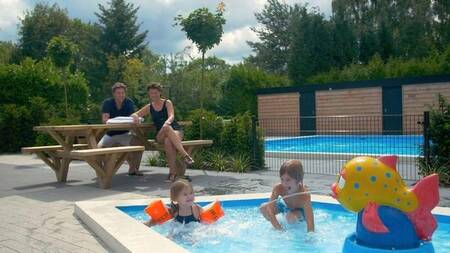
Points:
(92, 126)
(120, 126)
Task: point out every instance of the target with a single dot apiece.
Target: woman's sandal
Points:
(187, 178)
(171, 178)
(135, 173)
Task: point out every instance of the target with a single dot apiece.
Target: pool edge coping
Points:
(109, 223)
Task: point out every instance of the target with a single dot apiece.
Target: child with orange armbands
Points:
(182, 207)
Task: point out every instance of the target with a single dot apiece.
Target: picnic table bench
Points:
(50, 155)
(189, 146)
(104, 161)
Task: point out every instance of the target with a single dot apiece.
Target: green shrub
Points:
(439, 132)
(240, 163)
(77, 91)
(157, 159)
(31, 94)
(218, 161)
(434, 166)
(233, 139)
(92, 114)
(18, 83)
(212, 126)
(16, 125)
(56, 117)
(201, 160)
(259, 162)
(39, 109)
(237, 139)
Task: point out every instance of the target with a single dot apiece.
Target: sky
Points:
(156, 16)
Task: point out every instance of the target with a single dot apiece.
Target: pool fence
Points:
(325, 143)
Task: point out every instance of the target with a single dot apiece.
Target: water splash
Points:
(298, 193)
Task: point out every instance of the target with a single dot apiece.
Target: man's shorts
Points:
(115, 140)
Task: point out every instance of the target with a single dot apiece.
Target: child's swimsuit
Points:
(283, 208)
(186, 219)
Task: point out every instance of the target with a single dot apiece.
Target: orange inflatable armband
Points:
(158, 212)
(211, 213)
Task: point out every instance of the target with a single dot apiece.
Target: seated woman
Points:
(169, 132)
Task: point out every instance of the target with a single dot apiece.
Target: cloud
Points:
(10, 12)
(323, 5)
(233, 46)
(157, 16)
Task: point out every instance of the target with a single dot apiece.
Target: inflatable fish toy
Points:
(366, 183)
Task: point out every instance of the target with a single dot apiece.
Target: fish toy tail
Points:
(427, 193)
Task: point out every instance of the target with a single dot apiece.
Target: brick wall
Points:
(357, 110)
(417, 99)
(364, 105)
(278, 114)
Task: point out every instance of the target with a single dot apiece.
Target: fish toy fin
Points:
(389, 160)
(371, 220)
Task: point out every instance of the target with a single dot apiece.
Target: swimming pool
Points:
(401, 145)
(243, 229)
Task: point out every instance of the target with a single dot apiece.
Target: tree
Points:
(214, 78)
(7, 51)
(133, 77)
(272, 51)
(391, 28)
(437, 63)
(358, 31)
(344, 37)
(311, 45)
(45, 22)
(205, 30)
(441, 22)
(240, 88)
(415, 33)
(182, 83)
(61, 52)
(39, 26)
(120, 32)
(90, 58)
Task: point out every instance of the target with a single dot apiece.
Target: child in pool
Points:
(296, 207)
(182, 206)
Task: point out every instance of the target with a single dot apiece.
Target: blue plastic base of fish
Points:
(351, 246)
(401, 233)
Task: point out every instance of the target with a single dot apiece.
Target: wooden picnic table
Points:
(105, 161)
(65, 135)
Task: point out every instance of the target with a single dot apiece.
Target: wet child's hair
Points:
(294, 169)
(175, 189)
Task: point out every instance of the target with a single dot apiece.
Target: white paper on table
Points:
(118, 120)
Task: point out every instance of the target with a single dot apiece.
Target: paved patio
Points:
(36, 213)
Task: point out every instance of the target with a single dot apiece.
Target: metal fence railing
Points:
(324, 144)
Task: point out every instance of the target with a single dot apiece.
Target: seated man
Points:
(120, 105)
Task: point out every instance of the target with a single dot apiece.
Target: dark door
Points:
(308, 113)
(392, 110)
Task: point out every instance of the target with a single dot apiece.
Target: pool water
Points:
(243, 229)
(348, 144)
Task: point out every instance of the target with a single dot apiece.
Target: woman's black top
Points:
(159, 117)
